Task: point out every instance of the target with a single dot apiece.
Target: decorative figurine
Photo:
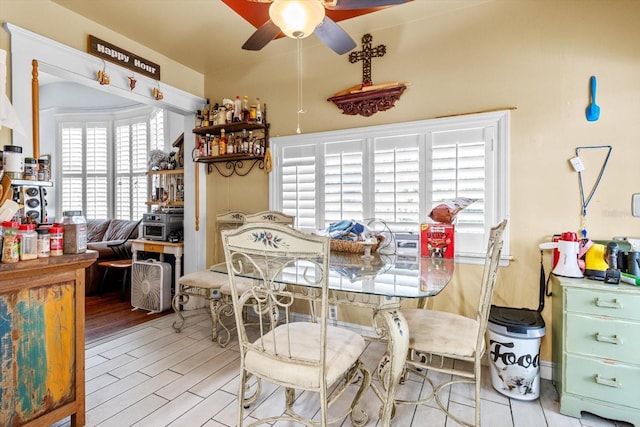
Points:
(103, 77)
(132, 82)
(157, 94)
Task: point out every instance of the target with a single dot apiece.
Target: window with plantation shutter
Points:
(397, 181)
(83, 166)
(397, 174)
(131, 150)
(459, 169)
(298, 190)
(343, 181)
(103, 164)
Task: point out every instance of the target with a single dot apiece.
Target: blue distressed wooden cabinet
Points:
(596, 348)
(42, 340)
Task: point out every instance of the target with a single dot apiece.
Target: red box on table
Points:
(436, 240)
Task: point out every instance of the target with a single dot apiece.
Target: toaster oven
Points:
(161, 225)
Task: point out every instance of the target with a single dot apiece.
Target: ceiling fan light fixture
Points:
(297, 18)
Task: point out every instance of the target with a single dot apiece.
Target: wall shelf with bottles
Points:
(167, 188)
(245, 156)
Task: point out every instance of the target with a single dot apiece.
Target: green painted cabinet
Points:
(596, 348)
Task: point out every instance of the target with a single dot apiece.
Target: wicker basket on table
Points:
(352, 247)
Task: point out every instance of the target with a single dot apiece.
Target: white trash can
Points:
(514, 351)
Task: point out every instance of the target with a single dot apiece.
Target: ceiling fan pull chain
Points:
(300, 109)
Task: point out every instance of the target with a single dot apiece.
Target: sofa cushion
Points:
(119, 229)
(96, 229)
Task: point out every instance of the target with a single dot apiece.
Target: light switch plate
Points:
(635, 204)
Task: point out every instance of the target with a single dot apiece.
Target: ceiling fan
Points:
(301, 18)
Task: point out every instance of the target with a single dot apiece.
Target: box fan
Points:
(151, 285)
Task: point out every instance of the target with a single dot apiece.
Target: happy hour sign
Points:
(119, 56)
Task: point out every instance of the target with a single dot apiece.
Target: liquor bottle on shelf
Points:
(239, 144)
(211, 115)
(229, 117)
(230, 142)
(221, 118)
(237, 109)
(223, 143)
(207, 145)
(245, 142)
(250, 143)
(215, 146)
(245, 109)
(258, 111)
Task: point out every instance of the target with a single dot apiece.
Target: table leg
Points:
(392, 325)
(178, 267)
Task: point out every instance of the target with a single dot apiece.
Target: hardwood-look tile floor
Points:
(148, 375)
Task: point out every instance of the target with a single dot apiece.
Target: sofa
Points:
(100, 234)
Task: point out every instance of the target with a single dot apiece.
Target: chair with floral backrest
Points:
(306, 356)
(450, 343)
(273, 217)
(224, 307)
(206, 284)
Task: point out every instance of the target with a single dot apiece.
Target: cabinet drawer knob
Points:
(608, 338)
(608, 304)
(611, 382)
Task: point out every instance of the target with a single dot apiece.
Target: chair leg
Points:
(125, 282)
(179, 299)
(478, 370)
(103, 281)
(359, 416)
(221, 307)
(213, 311)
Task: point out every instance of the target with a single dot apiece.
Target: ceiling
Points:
(204, 35)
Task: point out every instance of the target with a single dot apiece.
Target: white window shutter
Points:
(343, 181)
(397, 182)
(459, 169)
(96, 188)
(72, 191)
(298, 194)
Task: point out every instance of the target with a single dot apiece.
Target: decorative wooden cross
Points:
(365, 56)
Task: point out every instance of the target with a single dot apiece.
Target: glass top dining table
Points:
(379, 282)
(401, 276)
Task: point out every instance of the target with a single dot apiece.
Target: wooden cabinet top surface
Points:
(46, 265)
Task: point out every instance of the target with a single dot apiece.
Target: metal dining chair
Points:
(206, 285)
(273, 217)
(448, 342)
(224, 307)
(303, 356)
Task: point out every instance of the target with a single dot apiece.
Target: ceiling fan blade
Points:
(334, 36)
(263, 35)
(363, 4)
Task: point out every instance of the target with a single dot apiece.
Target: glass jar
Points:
(28, 242)
(75, 232)
(44, 244)
(30, 167)
(10, 245)
(56, 240)
(12, 161)
(44, 172)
